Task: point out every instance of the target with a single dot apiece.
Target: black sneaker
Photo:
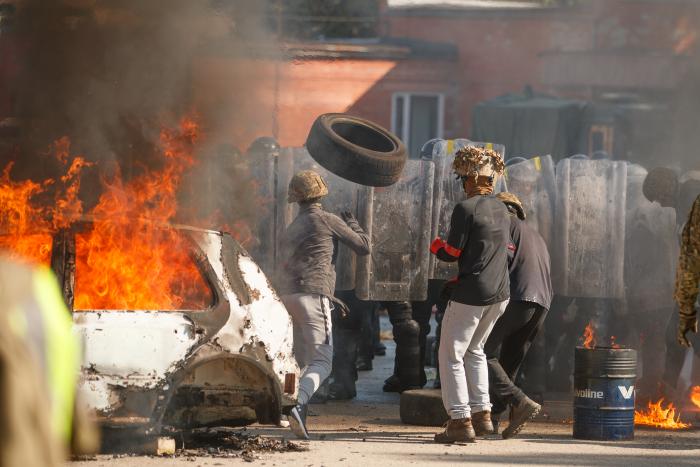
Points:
(338, 392)
(297, 422)
(380, 350)
(392, 384)
(364, 364)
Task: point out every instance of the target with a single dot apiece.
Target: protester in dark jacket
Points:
(530, 299)
(478, 240)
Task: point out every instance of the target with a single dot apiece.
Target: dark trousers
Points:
(506, 349)
(366, 344)
(675, 353)
(421, 312)
(407, 365)
(644, 333)
(346, 341)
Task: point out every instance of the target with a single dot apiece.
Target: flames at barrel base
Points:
(658, 416)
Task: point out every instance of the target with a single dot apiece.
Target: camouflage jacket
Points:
(688, 273)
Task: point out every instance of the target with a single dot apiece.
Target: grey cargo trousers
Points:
(313, 345)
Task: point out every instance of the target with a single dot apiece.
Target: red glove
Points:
(437, 245)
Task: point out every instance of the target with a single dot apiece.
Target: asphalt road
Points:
(367, 431)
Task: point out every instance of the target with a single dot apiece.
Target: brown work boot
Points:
(481, 421)
(457, 431)
(520, 414)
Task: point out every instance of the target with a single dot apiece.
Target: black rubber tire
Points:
(422, 407)
(357, 150)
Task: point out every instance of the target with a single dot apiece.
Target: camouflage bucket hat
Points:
(472, 161)
(306, 185)
(509, 199)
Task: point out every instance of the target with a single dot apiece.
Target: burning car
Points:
(179, 326)
(219, 355)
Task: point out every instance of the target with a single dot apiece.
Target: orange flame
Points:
(128, 257)
(26, 226)
(131, 259)
(659, 417)
(68, 206)
(589, 340)
(21, 222)
(695, 396)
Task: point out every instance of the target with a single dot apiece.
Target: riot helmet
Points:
(515, 160)
(661, 185)
(265, 145)
(426, 151)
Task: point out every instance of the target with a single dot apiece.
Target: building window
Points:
(417, 118)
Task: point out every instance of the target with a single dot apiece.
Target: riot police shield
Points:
(589, 240)
(651, 248)
(447, 192)
(533, 181)
(263, 168)
(398, 221)
(342, 196)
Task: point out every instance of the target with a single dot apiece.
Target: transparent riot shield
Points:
(533, 181)
(651, 248)
(589, 229)
(398, 220)
(447, 192)
(263, 168)
(342, 196)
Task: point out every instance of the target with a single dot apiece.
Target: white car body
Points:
(229, 365)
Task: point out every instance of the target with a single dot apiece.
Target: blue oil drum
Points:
(604, 380)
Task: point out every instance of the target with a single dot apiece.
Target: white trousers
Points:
(463, 371)
(313, 345)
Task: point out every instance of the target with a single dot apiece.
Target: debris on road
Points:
(227, 443)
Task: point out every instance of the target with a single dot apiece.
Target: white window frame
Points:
(405, 130)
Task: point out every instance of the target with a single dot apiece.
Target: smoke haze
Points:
(110, 75)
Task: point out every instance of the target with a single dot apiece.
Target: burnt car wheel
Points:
(356, 149)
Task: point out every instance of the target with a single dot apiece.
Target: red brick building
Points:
(433, 60)
(360, 77)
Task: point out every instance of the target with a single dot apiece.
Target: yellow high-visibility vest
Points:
(40, 317)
